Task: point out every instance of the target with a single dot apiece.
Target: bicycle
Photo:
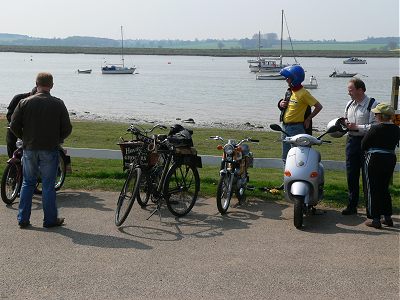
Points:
(159, 169)
(11, 181)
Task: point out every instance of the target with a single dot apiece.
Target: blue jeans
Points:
(291, 130)
(33, 162)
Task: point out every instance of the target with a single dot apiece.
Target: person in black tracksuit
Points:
(379, 144)
(11, 139)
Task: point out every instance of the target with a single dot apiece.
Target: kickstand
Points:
(157, 209)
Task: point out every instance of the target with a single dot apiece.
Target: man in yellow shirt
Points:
(294, 107)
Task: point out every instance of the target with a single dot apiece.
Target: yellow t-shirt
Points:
(297, 106)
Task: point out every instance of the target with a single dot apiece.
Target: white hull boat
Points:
(276, 76)
(313, 84)
(118, 68)
(355, 61)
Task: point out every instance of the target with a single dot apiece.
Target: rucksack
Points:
(371, 102)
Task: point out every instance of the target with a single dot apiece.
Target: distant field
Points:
(336, 46)
(230, 50)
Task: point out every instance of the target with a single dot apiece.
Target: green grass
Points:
(104, 174)
(105, 135)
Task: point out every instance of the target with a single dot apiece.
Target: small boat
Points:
(88, 71)
(118, 68)
(355, 61)
(343, 74)
(274, 76)
(313, 83)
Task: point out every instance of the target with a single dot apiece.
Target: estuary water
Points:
(168, 89)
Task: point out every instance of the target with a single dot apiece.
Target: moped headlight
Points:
(228, 149)
(303, 141)
(19, 143)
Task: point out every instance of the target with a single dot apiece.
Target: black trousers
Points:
(354, 163)
(11, 139)
(378, 171)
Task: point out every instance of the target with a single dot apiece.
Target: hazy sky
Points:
(342, 20)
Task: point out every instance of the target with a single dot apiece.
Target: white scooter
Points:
(304, 172)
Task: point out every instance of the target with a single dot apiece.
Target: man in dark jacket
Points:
(42, 122)
(11, 139)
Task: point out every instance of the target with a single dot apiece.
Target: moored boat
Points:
(88, 71)
(343, 74)
(118, 68)
(355, 61)
(313, 84)
(274, 76)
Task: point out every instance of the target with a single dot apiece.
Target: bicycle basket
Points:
(134, 152)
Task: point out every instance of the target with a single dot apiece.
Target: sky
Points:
(343, 20)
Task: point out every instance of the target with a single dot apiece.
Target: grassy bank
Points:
(107, 174)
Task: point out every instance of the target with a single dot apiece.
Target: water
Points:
(209, 90)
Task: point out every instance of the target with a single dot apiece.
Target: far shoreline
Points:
(199, 52)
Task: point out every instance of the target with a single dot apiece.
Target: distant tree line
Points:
(265, 41)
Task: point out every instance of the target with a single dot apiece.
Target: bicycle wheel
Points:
(181, 187)
(61, 173)
(127, 196)
(145, 188)
(224, 192)
(11, 183)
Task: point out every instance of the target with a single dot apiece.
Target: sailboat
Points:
(118, 68)
(265, 64)
(269, 64)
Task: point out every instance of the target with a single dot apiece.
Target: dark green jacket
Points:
(41, 121)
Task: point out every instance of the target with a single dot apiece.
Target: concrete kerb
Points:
(272, 163)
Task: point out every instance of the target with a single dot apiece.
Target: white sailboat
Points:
(118, 68)
(269, 64)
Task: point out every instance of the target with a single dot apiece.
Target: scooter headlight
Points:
(228, 149)
(303, 141)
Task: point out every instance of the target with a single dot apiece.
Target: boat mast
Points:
(259, 45)
(281, 38)
(122, 47)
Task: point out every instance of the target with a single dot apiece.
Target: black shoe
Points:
(349, 211)
(59, 222)
(374, 224)
(388, 223)
(23, 225)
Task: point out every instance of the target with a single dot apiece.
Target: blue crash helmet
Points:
(296, 73)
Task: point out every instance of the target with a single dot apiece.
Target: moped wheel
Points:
(61, 173)
(127, 196)
(298, 211)
(11, 183)
(224, 193)
(181, 187)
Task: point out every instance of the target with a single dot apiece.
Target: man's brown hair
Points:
(358, 83)
(44, 79)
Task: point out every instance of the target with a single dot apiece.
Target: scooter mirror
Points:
(275, 127)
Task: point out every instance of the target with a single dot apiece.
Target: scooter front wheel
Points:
(224, 192)
(298, 211)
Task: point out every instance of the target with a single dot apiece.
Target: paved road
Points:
(253, 253)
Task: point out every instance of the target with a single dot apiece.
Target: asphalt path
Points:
(252, 253)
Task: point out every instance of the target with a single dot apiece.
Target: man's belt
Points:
(292, 123)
